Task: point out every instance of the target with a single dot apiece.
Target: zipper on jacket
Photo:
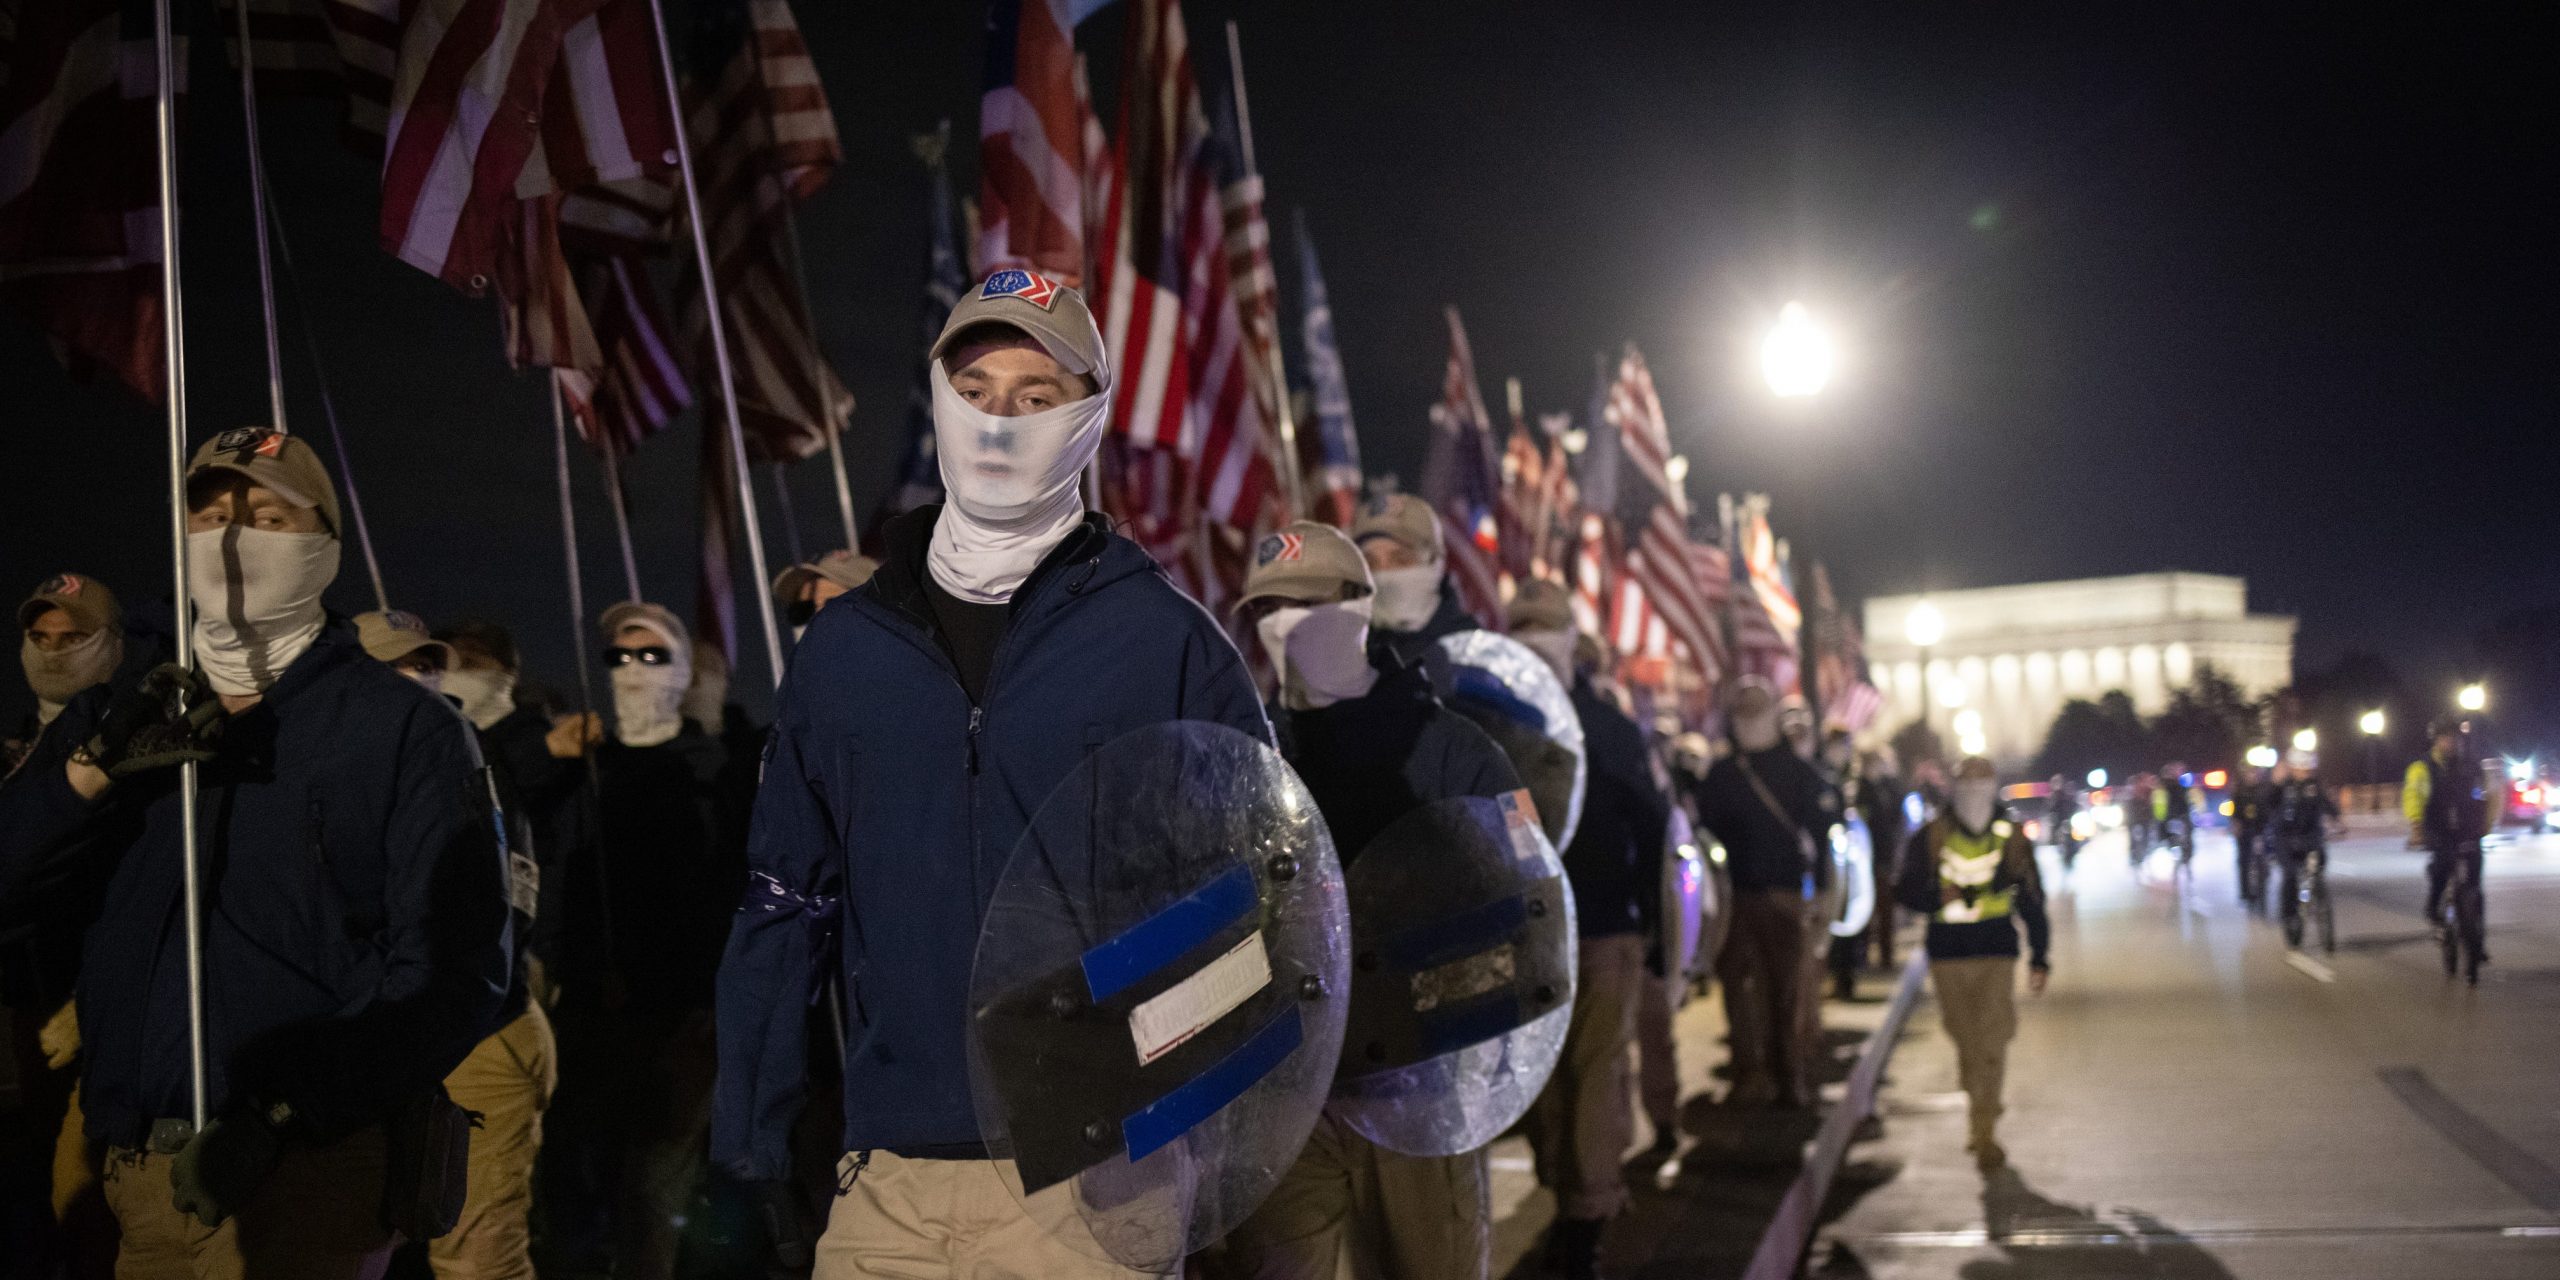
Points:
(977, 720)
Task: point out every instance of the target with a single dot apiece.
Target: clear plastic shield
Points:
(1853, 863)
(1158, 1000)
(1510, 693)
(1715, 906)
(1463, 958)
(1685, 888)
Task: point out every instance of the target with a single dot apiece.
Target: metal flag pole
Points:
(782, 509)
(578, 630)
(1292, 477)
(258, 220)
(833, 431)
(614, 498)
(719, 346)
(173, 331)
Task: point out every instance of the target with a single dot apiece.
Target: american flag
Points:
(1763, 560)
(1337, 440)
(920, 478)
(604, 117)
(1030, 143)
(641, 386)
(348, 50)
(1840, 662)
(762, 136)
(466, 115)
(80, 183)
(1256, 287)
(1761, 647)
(1460, 481)
(1167, 305)
(1664, 560)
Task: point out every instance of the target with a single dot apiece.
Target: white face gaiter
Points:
(648, 701)
(1407, 597)
(58, 675)
(1973, 800)
(487, 694)
(1554, 646)
(999, 521)
(1320, 651)
(257, 599)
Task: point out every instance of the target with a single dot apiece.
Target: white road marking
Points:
(2317, 971)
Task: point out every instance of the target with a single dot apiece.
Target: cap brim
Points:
(787, 584)
(444, 652)
(267, 480)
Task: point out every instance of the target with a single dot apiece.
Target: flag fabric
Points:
(1761, 646)
(1840, 664)
(604, 115)
(1460, 481)
(466, 115)
(1255, 286)
(80, 184)
(1337, 455)
(761, 137)
(641, 386)
(920, 478)
(1031, 143)
(1165, 298)
(1663, 560)
(346, 50)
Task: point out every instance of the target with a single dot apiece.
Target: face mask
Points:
(1973, 800)
(996, 527)
(1407, 597)
(648, 701)
(257, 599)
(1756, 732)
(1321, 652)
(487, 694)
(706, 703)
(57, 675)
(1553, 647)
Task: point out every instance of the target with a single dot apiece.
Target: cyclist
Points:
(2175, 808)
(2299, 813)
(2141, 821)
(2447, 815)
(2061, 805)
(2251, 807)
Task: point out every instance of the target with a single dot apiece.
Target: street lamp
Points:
(2306, 740)
(2372, 723)
(2262, 756)
(2474, 697)
(1797, 357)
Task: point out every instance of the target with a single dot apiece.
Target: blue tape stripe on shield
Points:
(1122, 962)
(1174, 1114)
(1456, 937)
(1453, 1027)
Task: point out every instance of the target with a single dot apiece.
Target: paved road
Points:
(2192, 1101)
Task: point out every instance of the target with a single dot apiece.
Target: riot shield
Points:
(1853, 863)
(1510, 693)
(1159, 994)
(1686, 887)
(1463, 958)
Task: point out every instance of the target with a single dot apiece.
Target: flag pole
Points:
(578, 625)
(1292, 477)
(621, 515)
(174, 370)
(258, 221)
(782, 509)
(832, 430)
(719, 347)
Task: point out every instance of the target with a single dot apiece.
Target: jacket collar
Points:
(1088, 558)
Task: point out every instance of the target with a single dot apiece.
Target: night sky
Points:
(2159, 287)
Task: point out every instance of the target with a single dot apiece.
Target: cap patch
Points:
(1280, 546)
(65, 585)
(1377, 506)
(403, 620)
(1031, 287)
(258, 440)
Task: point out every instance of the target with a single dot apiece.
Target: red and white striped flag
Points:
(80, 184)
(348, 50)
(1031, 178)
(604, 116)
(466, 115)
(1664, 560)
(641, 386)
(1760, 560)
(1460, 481)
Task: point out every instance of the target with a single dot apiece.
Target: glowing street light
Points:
(2097, 779)
(1926, 626)
(2474, 697)
(2262, 756)
(1797, 358)
(2306, 739)
(2372, 723)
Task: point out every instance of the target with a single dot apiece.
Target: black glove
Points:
(171, 716)
(219, 1169)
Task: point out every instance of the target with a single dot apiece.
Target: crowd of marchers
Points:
(486, 979)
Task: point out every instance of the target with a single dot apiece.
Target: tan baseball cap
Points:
(393, 635)
(656, 617)
(1401, 516)
(1053, 314)
(92, 607)
(846, 569)
(1306, 561)
(1540, 605)
(275, 461)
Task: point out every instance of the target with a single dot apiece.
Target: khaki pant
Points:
(318, 1216)
(508, 1080)
(1978, 1003)
(1580, 1128)
(1402, 1217)
(1658, 1053)
(1764, 968)
(903, 1219)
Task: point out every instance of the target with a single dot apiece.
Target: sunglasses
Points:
(656, 655)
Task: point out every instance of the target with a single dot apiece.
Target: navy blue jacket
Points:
(1615, 857)
(356, 930)
(1373, 759)
(891, 803)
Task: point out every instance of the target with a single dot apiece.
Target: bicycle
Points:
(2252, 853)
(2460, 917)
(2307, 890)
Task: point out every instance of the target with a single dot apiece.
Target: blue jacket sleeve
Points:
(1217, 688)
(39, 812)
(783, 937)
(449, 947)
